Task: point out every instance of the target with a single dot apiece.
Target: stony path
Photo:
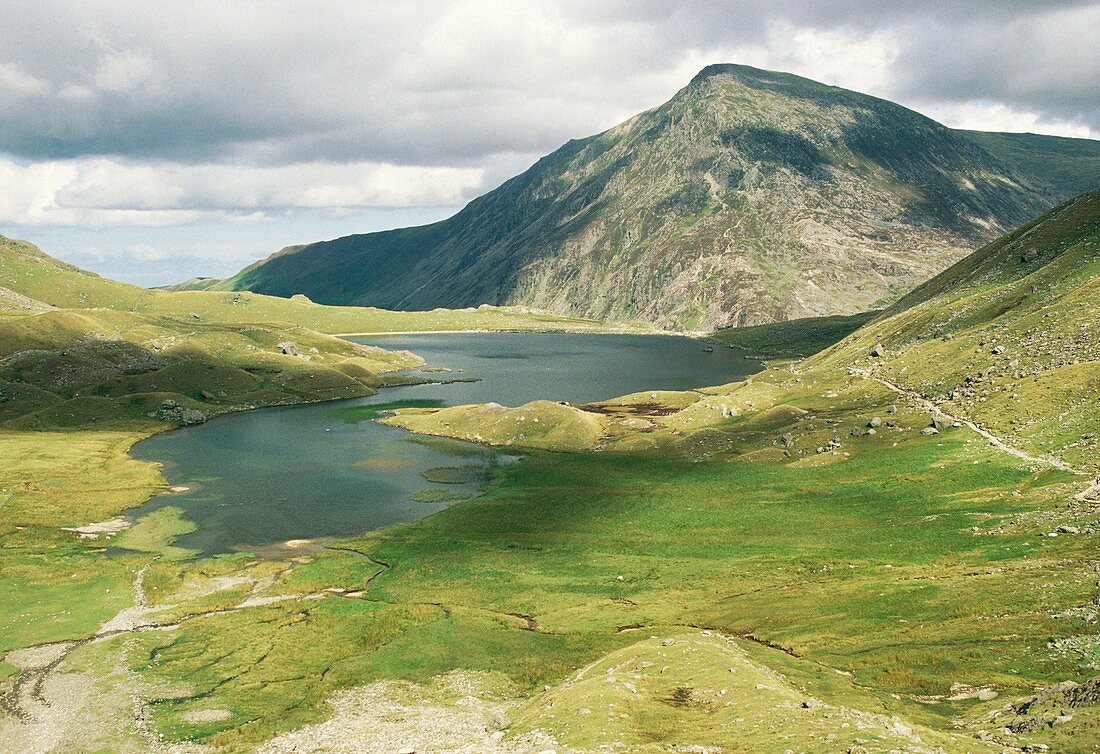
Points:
(47, 705)
(995, 441)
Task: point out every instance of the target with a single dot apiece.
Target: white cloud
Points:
(16, 80)
(841, 57)
(997, 116)
(127, 71)
(143, 252)
(111, 192)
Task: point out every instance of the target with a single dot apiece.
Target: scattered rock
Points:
(929, 431)
(206, 715)
(497, 720)
(105, 528)
(288, 348)
(877, 351)
(172, 411)
(875, 422)
(1067, 529)
(788, 440)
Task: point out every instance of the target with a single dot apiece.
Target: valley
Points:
(884, 546)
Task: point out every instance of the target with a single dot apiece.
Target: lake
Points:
(260, 478)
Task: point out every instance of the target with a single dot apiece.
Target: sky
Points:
(154, 141)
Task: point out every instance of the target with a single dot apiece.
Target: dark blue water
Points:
(264, 477)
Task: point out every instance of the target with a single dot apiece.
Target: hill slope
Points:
(750, 197)
(1008, 337)
(1071, 166)
(969, 440)
(31, 280)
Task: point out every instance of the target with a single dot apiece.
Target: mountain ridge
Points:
(749, 197)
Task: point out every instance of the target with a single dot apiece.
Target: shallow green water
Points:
(312, 472)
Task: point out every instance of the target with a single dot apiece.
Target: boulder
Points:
(877, 351)
(289, 348)
(191, 416)
(929, 431)
(875, 422)
(171, 411)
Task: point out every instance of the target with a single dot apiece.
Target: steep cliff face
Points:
(750, 197)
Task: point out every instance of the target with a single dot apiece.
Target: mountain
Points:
(750, 197)
(193, 284)
(1071, 166)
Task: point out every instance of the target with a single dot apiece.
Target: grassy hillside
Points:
(796, 338)
(27, 271)
(989, 369)
(750, 197)
(1008, 336)
(87, 368)
(1070, 166)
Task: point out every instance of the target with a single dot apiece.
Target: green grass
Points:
(1007, 336)
(155, 532)
(867, 566)
(437, 495)
(455, 474)
(1071, 166)
(28, 271)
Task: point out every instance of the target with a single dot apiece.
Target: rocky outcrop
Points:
(172, 411)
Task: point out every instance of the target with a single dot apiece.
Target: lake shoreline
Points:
(292, 466)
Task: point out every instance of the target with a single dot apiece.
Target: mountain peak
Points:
(751, 196)
(762, 78)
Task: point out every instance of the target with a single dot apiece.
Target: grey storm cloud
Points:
(455, 83)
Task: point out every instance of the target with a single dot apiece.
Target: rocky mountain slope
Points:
(750, 197)
(1008, 337)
